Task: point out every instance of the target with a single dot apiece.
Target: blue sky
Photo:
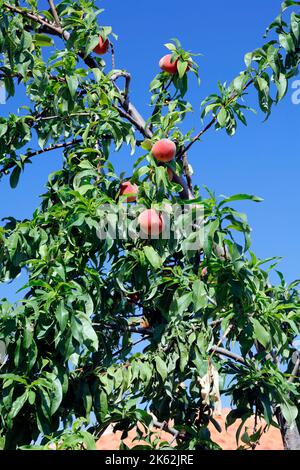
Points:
(261, 159)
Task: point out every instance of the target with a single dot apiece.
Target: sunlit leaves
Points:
(43, 40)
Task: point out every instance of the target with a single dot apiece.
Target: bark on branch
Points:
(126, 109)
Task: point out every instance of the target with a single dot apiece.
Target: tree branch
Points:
(29, 74)
(122, 73)
(128, 346)
(187, 173)
(212, 122)
(295, 371)
(229, 354)
(131, 329)
(149, 332)
(112, 48)
(39, 152)
(129, 111)
(32, 16)
(165, 427)
(54, 13)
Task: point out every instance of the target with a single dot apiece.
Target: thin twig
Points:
(54, 12)
(229, 354)
(119, 351)
(122, 73)
(32, 16)
(39, 152)
(211, 123)
(112, 48)
(29, 74)
(129, 111)
(129, 328)
(222, 338)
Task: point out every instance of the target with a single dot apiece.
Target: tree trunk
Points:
(289, 432)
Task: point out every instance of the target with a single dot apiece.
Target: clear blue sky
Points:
(262, 159)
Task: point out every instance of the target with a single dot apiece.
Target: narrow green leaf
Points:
(161, 368)
(222, 117)
(14, 177)
(286, 41)
(72, 82)
(199, 295)
(181, 67)
(260, 332)
(43, 40)
(295, 26)
(170, 46)
(240, 197)
(103, 405)
(282, 85)
(91, 44)
(289, 411)
(62, 315)
(153, 257)
(18, 405)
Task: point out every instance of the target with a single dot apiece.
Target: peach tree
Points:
(207, 318)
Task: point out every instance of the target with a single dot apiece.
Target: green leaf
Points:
(282, 85)
(183, 355)
(88, 333)
(199, 295)
(209, 232)
(103, 405)
(56, 395)
(43, 40)
(248, 58)
(153, 257)
(14, 177)
(222, 117)
(146, 144)
(181, 67)
(263, 85)
(240, 81)
(72, 82)
(62, 315)
(240, 197)
(295, 26)
(3, 128)
(289, 411)
(268, 414)
(260, 332)
(31, 397)
(88, 440)
(170, 46)
(180, 303)
(91, 44)
(18, 405)
(286, 41)
(161, 368)
(289, 3)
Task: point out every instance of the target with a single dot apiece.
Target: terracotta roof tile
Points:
(271, 440)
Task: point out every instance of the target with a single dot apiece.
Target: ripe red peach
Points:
(102, 46)
(164, 150)
(166, 64)
(131, 189)
(151, 222)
